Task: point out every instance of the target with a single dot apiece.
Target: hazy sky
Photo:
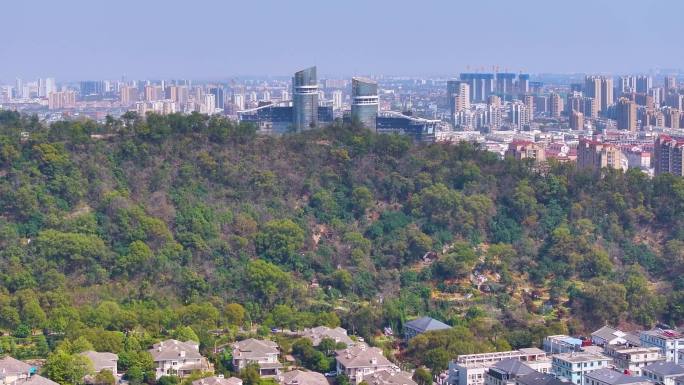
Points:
(200, 39)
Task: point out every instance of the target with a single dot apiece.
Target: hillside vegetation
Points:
(167, 222)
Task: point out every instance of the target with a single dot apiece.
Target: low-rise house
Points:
(13, 371)
(670, 342)
(632, 359)
(537, 378)
(506, 371)
(390, 377)
(612, 377)
(301, 377)
(317, 334)
(562, 344)
(218, 380)
(102, 361)
(471, 369)
(608, 336)
(574, 366)
(262, 352)
(173, 357)
(359, 361)
(664, 373)
(422, 325)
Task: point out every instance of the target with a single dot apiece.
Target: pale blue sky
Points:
(200, 39)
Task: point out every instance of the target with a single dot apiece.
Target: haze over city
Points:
(75, 40)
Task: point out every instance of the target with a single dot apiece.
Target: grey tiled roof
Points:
(514, 367)
(214, 380)
(540, 379)
(9, 365)
(362, 356)
(253, 349)
(300, 377)
(173, 349)
(664, 368)
(425, 324)
(612, 377)
(386, 377)
(101, 360)
(39, 380)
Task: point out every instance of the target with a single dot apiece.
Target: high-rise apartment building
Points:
(626, 115)
(672, 116)
(337, 99)
(528, 100)
(218, 96)
(305, 99)
(668, 155)
(153, 93)
(576, 120)
(458, 97)
(481, 85)
(239, 101)
(62, 99)
(643, 84)
(601, 89)
(606, 93)
(555, 105)
(364, 108)
(523, 83)
(519, 115)
(627, 84)
(596, 155)
(128, 95)
(505, 85)
(670, 83)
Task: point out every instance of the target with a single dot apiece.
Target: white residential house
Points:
(262, 352)
(173, 357)
(632, 359)
(359, 361)
(573, 367)
(14, 371)
(102, 361)
(319, 333)
(608, 336)
(670, 342)
(471, 369)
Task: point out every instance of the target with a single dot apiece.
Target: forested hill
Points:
(183, 220)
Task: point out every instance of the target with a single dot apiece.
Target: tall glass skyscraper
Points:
(305, 99)
(364, 108)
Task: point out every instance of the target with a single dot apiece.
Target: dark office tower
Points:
(523, 83)
(91, 87)
(364, 108)
(504, 85)
(481, 85)
(218, 96)
(576, 87)
(626, 115)
(643, 84)
(305, 99)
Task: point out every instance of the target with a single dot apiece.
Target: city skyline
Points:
(216, 40)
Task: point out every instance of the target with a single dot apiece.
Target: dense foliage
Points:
(147, 226)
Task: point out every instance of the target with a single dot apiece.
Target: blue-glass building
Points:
(305, 99)
(364, 108)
